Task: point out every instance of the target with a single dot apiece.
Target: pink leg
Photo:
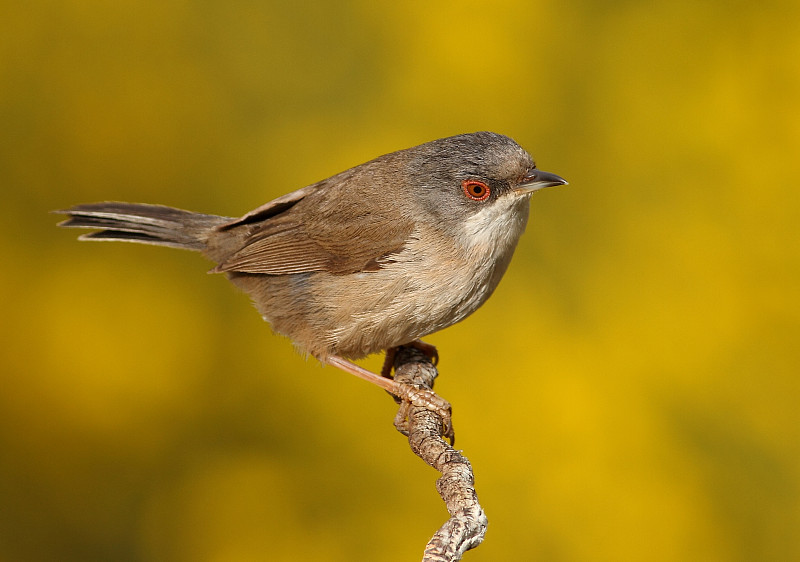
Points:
(417, 396)
(388, 363)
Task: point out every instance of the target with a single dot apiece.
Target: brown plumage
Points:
(369, 259)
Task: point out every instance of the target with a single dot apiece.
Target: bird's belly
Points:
(408, 299)
(426, 287)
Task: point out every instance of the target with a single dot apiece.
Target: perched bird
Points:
(370, 259)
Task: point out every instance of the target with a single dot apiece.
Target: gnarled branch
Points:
(467, 524)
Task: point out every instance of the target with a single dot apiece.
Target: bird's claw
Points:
(411, 395)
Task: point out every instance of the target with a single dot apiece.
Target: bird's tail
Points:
(146, 224)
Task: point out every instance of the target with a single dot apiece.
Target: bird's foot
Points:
(407, 394)
(428, 399)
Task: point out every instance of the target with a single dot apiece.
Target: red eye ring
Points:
(476, 190)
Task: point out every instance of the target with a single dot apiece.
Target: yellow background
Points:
(631, 392)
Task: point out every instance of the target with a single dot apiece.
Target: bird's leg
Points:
(429, 350)
(388, 363)
(407, 393)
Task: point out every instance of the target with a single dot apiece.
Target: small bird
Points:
(368, 260)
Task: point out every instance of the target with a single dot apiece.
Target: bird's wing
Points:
(317, 228)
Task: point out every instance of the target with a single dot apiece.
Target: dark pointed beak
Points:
(537, 179)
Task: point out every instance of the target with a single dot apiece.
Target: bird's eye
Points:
(476, 190)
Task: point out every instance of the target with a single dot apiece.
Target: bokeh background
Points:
(631, 392)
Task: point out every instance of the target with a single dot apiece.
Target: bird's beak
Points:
(537, 179)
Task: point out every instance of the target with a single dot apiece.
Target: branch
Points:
(467, 524)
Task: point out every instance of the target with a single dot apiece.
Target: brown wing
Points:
(272, 208)
(323, 227)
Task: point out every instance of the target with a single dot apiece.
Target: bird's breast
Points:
(435, 281)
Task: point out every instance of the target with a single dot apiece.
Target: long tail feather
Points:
(146, 224)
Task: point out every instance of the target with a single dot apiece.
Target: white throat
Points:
(496, 229)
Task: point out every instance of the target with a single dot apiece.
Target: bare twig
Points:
(467, 524)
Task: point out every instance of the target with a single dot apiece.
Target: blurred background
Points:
(631, 391)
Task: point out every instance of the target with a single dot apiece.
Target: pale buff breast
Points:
(433, 283)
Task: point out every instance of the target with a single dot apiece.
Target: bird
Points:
(368, 260)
